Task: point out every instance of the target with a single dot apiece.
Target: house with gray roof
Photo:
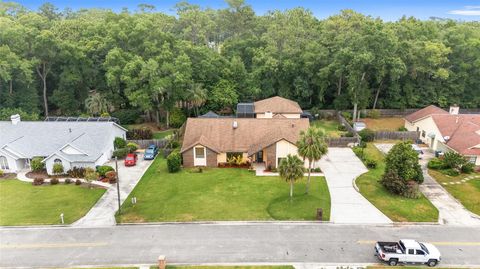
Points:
(71, 143)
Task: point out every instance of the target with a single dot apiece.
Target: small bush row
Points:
(452, 164)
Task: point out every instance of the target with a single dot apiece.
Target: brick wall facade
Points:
(188, 158)
(271, 156)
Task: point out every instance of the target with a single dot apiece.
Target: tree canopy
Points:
(203, 59)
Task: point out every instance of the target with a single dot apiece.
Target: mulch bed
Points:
(8, 176)
(37, 174)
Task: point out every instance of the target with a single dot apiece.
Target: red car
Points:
(131, 159)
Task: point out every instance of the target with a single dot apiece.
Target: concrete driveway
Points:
(103, 212)
(341, 166)
(450, 210)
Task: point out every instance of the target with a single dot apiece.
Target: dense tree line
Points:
(95, 61)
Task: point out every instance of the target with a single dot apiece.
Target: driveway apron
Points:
(103, 212)
(341, 166)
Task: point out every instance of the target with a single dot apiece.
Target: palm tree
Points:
(291, 168)
(312, 146)
(96, 104)
(197, 96)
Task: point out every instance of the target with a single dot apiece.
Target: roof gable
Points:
(277, 104)
(425, 112)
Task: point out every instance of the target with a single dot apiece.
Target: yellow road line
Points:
(368, 242)
(55, 245)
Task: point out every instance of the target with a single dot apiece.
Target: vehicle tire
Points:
(393, 262)
(432, 263)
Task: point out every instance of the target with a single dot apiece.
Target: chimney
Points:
(235, 124)
(15, 119)
(454, 109)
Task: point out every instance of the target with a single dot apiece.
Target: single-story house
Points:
(447, 131)
(71, 143)
(211, 141)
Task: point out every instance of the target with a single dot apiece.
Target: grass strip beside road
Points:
(221, 194)
(397, 208)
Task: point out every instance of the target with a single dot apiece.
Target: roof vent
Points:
(293, 125)
(15, 119)
(454, 110)
(235, 124)
(446, 138)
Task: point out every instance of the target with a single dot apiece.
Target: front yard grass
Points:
(384, 124)
(24, 204)
(468, 193)
(162, 134)
(396, 207)
(221, 194)
(330, 127)
(228, 267)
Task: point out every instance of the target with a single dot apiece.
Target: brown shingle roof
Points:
(277, 104)
(251, 134)
(425, 112)
(463, 131)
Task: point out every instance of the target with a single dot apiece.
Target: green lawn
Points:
(397, 208)
(24, 204)
(162, 134)
(467, 193)
(221, 194)
(330, 127)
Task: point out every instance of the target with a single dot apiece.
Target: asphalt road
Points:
(220, 243)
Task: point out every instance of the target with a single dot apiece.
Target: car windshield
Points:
(149, 151)
(129, 158)
(424, 248)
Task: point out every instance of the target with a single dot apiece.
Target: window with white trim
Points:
(57, 161)
(3, 163)
(200, 153)
(473, 159)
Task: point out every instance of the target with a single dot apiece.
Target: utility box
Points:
(319, 214)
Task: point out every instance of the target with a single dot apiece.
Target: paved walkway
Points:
(451, 211)
(103, 212)
(341, 166)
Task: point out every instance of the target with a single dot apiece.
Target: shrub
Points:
(38, 181)
(367, 135)
(412, 191)
(317, 170)
(120, 153)
(402, 129)
(374, 114)
(349, 134)
(132, 147)
(468, 168)
(347, 115)
(90, 174)
(36, 164)
(76, 172)
(54, 181)
(103, 169)
(78, 182)
(119, 143)
(454, 160)
(57, 168)
(112, 176)
(436, 164)
(1, 172)
(140, 134)
(174, 161)
(393, 183)
(127, 116)
(105, 115)
(403, 160)
(371, 164)
(450, 172)
(177, 117)
(68, 181)
(342, 128)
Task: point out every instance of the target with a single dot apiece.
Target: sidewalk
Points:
(103, 212)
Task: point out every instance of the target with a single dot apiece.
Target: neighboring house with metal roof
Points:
(447, 131)
(211, 141)
(71, 143)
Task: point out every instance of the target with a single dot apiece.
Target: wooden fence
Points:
(341, 141)
(160, 143)
(386, 135)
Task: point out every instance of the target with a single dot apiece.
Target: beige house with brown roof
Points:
(210, 141)
(447, 131)
(277, 107)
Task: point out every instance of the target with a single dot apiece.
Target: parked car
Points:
(407, 251)
(150, 152)
(358, 126)
(131, 159)
(418, 150)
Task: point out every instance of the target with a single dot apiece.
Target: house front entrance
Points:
(259, 157)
